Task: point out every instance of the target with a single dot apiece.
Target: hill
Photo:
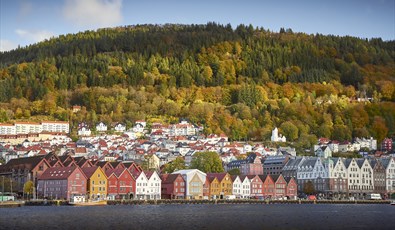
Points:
(242, 81)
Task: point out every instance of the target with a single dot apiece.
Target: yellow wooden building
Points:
(96, 184)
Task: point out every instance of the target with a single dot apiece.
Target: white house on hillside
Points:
(101, 127)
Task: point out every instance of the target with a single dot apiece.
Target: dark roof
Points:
(57, 173)
(28, 163)
(88, 171)
(219, 176)
(170, 178)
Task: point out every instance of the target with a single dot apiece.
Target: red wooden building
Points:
(62, 183)
(173, 186)
(121, 184)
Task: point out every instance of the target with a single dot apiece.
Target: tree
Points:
(208, 162)
(177, 164)
(308, 187)
(234, 171)
(28, 188)
(289, 130)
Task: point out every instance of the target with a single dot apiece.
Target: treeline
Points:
(242, 82)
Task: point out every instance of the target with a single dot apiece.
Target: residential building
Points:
(194, 179)
(7, 129)
(280, 186)
(273, 165)
(119, 127)
(121, 184)
(292, 188)
(389, 165)
(173, 186)
(225, 183)
(311, 169)
(55, 126)
(22, 170)
(97, 183)
(256, 186)
(62, 183)
(154, 185)
(237, 186)
(378, 177)
(268, 186)
(27, 127)
(101, 127)
(386, 144)
(141, 185)
(246, 187)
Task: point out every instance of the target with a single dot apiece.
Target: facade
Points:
(389, 165)
(256, 186)
(280, 186)
(101, 127)
(225, 183)
(246, 187)
(173, 186)
(386, 145)
(120, 127)
(323, 151)
(268, 186)
(252, 166)
(194, 179)
(273, 165)
(338, 182)
(237, 186)
(55, 126)
(27, 127)
(379, 177)
(84, 131)
(121, 184)
(292, 188)
(22, 170)
(141, 185)
(97, 183)
(312, 169)
(154, 185)
(62, 183)
(7, 129)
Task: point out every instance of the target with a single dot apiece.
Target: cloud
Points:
(34, 35)
(93, 13)
(7, 45)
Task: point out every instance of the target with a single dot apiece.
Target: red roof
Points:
(57, 173)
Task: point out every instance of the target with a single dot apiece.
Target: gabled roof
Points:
(28, 163)
(57, 173)
(88, 171)
(170, 178)
(219, 176)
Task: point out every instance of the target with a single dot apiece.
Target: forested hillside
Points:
(242, 81)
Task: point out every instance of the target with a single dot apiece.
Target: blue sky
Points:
(24, 22)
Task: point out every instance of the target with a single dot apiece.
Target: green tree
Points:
(208, 162)
(234, 171)
(289, 130)
(177, 164)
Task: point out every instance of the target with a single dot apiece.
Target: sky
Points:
(24, 22)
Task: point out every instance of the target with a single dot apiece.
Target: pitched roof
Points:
(170, 178)
(28, 163)
(88, 171)
(219, 176)
(57, 173)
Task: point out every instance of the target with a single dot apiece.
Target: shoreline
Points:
(15, 204)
